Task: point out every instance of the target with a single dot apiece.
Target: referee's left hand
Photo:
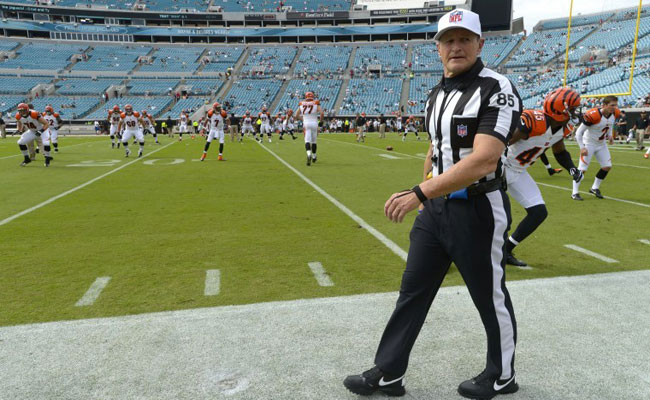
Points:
(400, 204)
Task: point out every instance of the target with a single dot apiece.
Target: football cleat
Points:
(220, 158)
(112, 145)
(596, 192)
(26, 161)
(308, 161)
(139, 153)
(47, 160)
(483, 387)
(374, 380)
(56, 149)
(313, 158)
(577, 197)
(553, 171)
(646, 155)
(128, 152)
(203, 156)
(512, 260)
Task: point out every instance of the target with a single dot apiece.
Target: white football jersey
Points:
(52, 120)
(599, 128)
(309, 110)
(523, 153)
(216, 119)
(31, 121)
(264, 116)
(114, 117)
(130, 122)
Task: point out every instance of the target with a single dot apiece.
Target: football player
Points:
(33, 127)
(265, 127)
(131, 122)
(217, 121)
(309, 110)
(592, 135)
(247, 126)
(289, 124)
(182, 126)
(149, 125)
(537, 131)
(114, 120)
(410, 127)
(54, 120)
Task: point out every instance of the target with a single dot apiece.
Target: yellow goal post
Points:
(568, 45)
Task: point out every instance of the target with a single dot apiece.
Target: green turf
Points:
(155, 229)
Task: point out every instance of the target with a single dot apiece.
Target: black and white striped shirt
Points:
(479, 100)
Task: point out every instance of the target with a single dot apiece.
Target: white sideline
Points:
(74, 189)
(644, 241)
(590, 253)
(374, 232)
(631, 166)
(93, 292)
(212, 282)
(587, 193)
(319, 273)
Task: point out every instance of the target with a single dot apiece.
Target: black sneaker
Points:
(577, 197)
(553, 171)
(374, 380)
(483, 387)
(596, 192)
(26, 161)
(512, 260)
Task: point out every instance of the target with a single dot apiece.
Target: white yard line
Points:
(390, 157)
(83, 185)
(53, 152)
(590, 253)
(631, 166)
(589, 194)
(373, 148)
(93, 292)
(644, 241)
(374, 232)
(212, 282)
(319, 273)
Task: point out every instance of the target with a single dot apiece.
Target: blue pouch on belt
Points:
(459, 194)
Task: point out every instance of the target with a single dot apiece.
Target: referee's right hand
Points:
(400, 204)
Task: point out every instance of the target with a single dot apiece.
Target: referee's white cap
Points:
(459, 18)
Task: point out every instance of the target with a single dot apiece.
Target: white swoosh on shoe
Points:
(382, 382)
(498, 387)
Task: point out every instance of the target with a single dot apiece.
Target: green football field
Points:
(155, 225)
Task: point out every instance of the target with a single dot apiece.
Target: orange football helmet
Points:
(561, 104)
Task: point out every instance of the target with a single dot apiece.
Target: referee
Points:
(465, 215)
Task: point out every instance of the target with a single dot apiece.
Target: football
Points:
(389, 148)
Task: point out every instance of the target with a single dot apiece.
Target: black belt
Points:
(476, 189)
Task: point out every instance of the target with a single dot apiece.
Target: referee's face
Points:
(458, 49)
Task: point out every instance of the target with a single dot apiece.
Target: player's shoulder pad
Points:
(317, 102)
(592, 117)
(122, 115)
(617, 113)
(210, 113)
(539, 125)
(136, 114)
(18, 116)
(299, 103)
(34, 114)
(56, 115)
(224, 113)
(110, 112)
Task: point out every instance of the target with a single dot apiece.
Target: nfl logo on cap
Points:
(456, 16)
(462, 130)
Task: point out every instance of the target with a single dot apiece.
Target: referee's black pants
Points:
(471, 233)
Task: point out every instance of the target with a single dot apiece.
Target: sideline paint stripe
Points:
(589, 194)
(390, 157)
(212, 282)
(74, 189)
(644, 241)
(319, 273)
(93, 293)
(66, 147)
(374, 232)
(590, 253)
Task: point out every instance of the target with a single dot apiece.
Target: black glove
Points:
(576, 174)
(39, 133)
